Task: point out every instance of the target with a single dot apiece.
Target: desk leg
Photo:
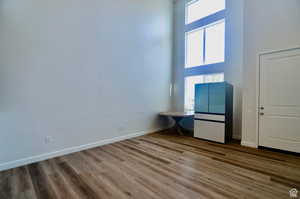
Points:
(178, 129)
(177, 126)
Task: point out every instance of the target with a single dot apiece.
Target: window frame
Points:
(202, 23)
(189, 2)
(204, 28)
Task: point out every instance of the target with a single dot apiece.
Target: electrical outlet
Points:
(49, 139)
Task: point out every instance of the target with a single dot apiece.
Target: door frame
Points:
(258, 82)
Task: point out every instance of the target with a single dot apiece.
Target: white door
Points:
(279, 117)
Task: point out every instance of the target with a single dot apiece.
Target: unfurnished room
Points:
(149, 99)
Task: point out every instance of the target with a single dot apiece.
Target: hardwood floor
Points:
(157, 166)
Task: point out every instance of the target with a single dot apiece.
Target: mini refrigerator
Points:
(213, 111)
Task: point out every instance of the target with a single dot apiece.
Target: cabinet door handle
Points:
(261, 113)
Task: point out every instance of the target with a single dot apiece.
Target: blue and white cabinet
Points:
(213, 111)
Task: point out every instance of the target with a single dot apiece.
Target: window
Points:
(190, 83)
(205, 45)
(215, 43)
(199, 9)
(194, 48)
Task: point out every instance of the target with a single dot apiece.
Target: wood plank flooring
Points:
(154, 166)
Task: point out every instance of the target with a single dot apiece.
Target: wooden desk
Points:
(177, 117)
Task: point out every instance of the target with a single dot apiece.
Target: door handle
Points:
(262, 108)
(261, 114)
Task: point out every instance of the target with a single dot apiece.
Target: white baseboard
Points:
(38, 158)
(249, 144)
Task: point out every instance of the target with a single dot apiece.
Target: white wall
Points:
(270, 25)
(81, 71)
(234, 57)
(178, 55)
